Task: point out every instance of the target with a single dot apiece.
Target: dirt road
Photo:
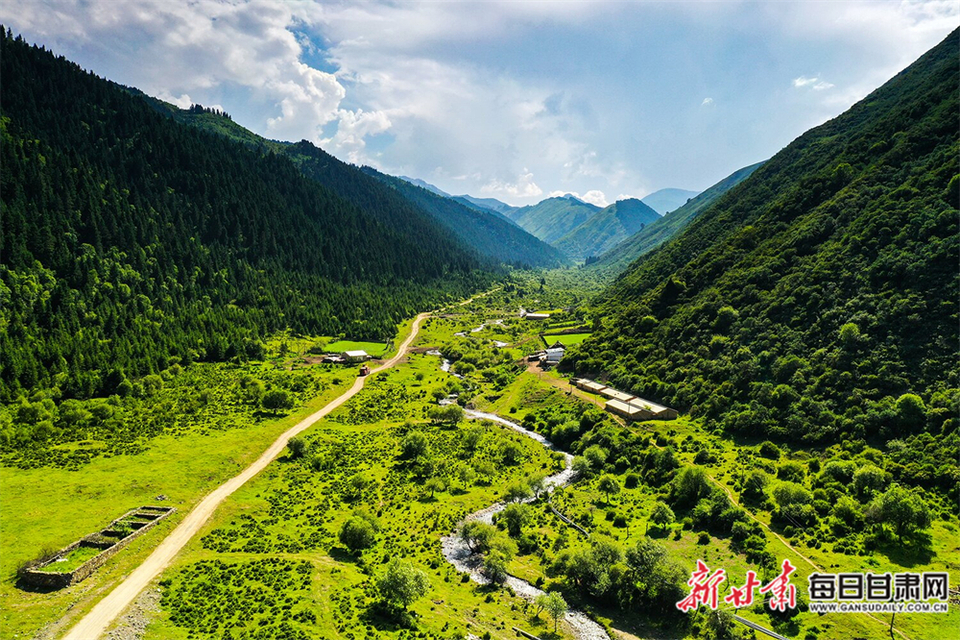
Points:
(107, 610)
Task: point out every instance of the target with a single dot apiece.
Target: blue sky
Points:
(513, 100)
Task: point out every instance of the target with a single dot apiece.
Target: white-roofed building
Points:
(625, 410)
(358, 355)
(590, 385)
(553, 356)
(613, 394)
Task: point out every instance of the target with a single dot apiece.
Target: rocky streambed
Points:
(458, 553)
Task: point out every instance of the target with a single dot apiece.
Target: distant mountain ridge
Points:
(487, 231)
(618, 258)
(553, 218)
(666, 200)
(606, 228)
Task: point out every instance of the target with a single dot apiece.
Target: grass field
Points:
(47, 507)
(375, 349)
(566, 339)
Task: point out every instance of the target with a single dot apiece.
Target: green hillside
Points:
(553, 218)
(816, 302)
(607, 228)
(487, 232)
(130, 241)
(619, 257)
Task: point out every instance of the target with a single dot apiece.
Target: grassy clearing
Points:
(566, 339)
(375, 349)
(71, 560)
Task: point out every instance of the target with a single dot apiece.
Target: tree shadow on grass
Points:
(341, 554)
(919, 552)
(385, 617)
(23, 585)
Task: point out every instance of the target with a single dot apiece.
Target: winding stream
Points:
(458, 553)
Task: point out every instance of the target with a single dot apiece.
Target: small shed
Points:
(625, 410)
(358, 355)
(554, 356)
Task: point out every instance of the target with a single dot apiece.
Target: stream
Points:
(458, 553)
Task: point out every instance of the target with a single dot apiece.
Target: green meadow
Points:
(566, 339)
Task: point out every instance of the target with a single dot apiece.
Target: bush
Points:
(359, 532)
(769, 450)
(297, 447)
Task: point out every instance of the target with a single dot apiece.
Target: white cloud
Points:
(352, 129)
(470, 87)
(594, 196)
(814, 83)
(195, 52)
(524, 187)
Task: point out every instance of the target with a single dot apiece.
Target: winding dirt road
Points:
(107, 610)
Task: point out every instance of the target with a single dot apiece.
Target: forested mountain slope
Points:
(606, 228)
(129, 240)
(553, 218)
(818, 300)
(619, 257)
(490, 234)
(487, 232)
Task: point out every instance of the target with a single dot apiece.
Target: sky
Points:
(512, 100)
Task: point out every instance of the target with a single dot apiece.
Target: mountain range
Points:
(619, 257)
(606, 228)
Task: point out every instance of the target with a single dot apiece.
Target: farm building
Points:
(536, 316)
(613, 394)
(590, 385)
(332, 359)
(553, 356)
(625, 410)
(356, 356)
(657, 411)
(557, 345)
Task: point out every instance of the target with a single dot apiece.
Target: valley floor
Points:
(269, 562)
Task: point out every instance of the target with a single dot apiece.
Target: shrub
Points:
(769, 450)
(297, 447)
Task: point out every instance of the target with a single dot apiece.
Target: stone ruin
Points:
(109, 540)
